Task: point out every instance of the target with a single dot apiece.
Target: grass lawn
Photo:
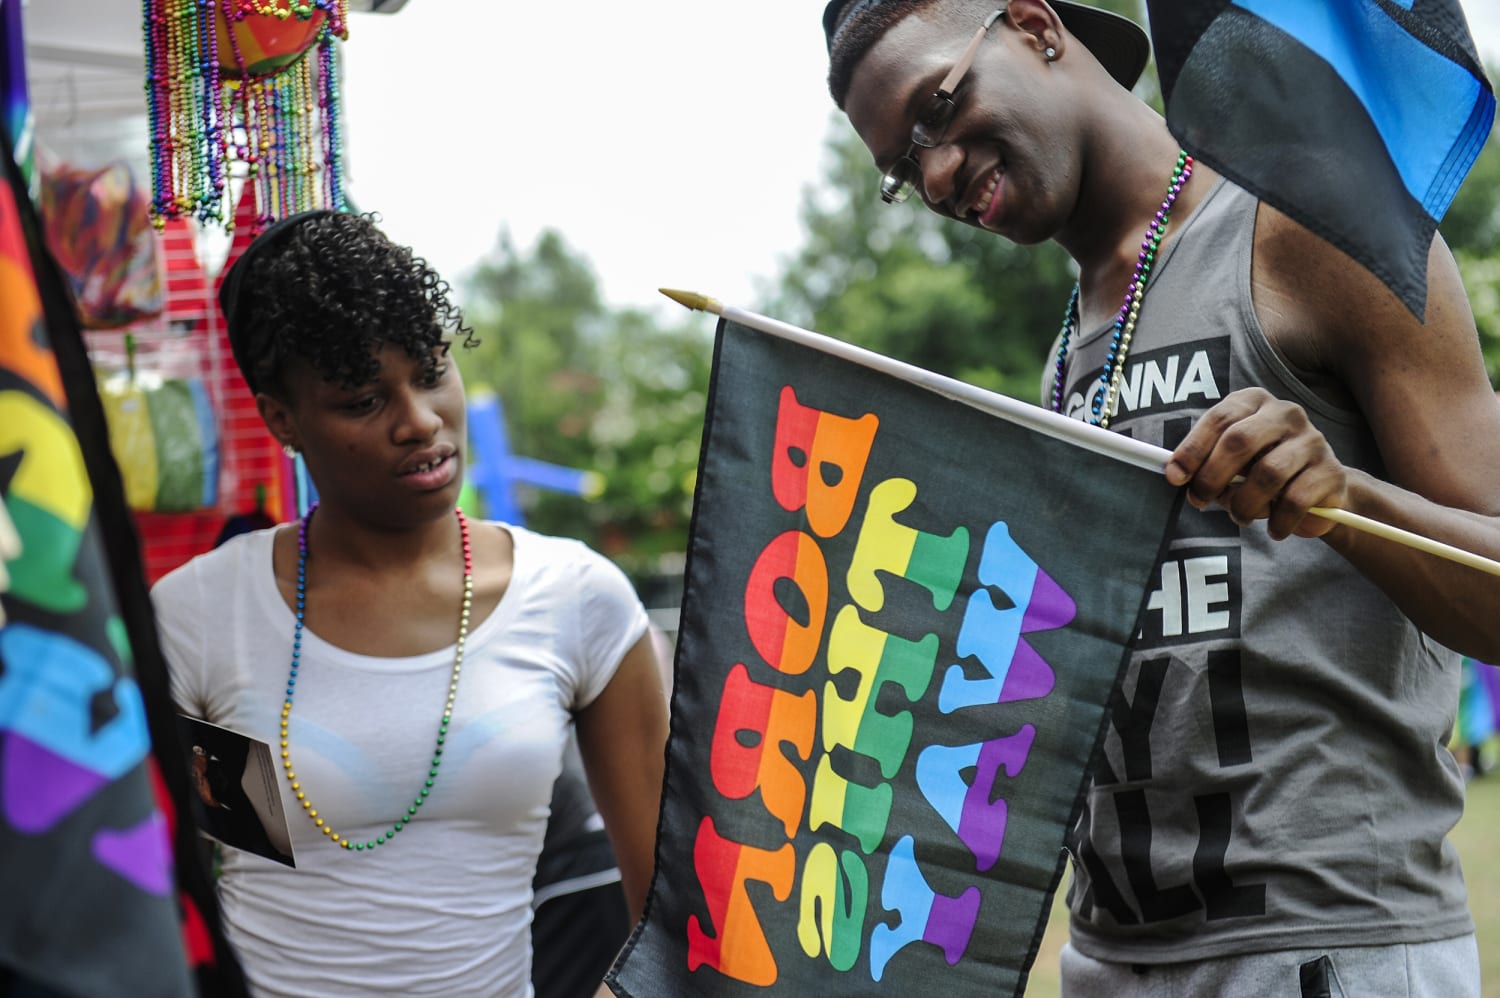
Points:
(1477, 838)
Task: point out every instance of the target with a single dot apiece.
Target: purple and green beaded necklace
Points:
(291, 686)
(1124, 326)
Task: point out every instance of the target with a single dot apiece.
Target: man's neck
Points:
(1127, 171)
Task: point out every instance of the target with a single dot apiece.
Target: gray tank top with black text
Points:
(1275, 774)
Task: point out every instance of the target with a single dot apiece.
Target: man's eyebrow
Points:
(916, 99)
(923, 92)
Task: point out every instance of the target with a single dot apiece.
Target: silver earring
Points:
(289, 451)
(1050, 53)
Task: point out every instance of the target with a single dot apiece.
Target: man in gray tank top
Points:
(1270, 807)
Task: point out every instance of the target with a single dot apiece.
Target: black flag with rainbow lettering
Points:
(903, 620)
(106, 888)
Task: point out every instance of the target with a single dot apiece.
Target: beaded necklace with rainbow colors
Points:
(291, 686)
(1124, 326)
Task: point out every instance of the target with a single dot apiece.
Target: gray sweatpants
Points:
(1448, 968)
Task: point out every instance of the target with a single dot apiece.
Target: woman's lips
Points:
(433, 475)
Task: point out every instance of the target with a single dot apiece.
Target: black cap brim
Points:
(1121, 46)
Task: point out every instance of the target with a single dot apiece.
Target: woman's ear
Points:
(277, 416)
(1038, 21)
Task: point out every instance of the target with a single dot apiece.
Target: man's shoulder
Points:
(1340, 326)
(1326, 284)
(1315, 304)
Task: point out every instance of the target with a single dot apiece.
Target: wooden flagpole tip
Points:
(694, 300)
(1415, 541)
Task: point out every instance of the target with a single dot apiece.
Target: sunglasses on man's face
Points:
(902, 178)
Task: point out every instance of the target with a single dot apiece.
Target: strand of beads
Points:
(266, 172)
(1114, 367)
(1070, 318)
(328, 102)
(216, 147)
(1107, 397)
(287, 106)
(181, 113)
(243, 148)
(442, 735)
(201, 122)
(278, 10)
(158, 104)
(311, 155)
(273, 134)
(301, 132)
(296, 148)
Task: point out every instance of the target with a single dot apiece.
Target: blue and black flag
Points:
(1358, 118)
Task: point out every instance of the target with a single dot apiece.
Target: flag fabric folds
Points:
(86, 856)
(1358, 118)
(15, 97)
(903, 619)
(106, 890)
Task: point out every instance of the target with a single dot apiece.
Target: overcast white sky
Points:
(669, 141)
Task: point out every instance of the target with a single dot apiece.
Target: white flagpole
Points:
(1054, 424)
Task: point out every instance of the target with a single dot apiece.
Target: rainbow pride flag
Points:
(106, 893)
(896, 649)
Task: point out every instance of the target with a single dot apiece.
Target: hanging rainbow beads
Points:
(230, 82)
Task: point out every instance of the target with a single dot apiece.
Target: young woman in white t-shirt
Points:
(418, 673)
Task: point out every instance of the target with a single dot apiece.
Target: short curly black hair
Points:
(332, 288)
(851, 36)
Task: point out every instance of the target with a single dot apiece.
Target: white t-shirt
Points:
(445, 907)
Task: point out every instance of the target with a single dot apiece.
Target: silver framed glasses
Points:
(901, 180)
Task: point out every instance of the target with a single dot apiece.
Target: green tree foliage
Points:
(1472, 229)
(610, 391)
(623, 394)
(906, 283)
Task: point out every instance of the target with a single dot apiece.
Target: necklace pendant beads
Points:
(442, 736)
(1107, 396)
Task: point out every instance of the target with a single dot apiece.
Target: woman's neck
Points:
(350, 541)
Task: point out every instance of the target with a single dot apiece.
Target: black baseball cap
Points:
(1121, 46)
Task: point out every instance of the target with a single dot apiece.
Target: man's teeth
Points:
(426, 467)
(987, 195)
